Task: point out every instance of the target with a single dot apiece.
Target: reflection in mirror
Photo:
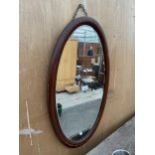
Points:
(79, 84)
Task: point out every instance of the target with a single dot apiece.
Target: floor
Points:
(123, 138)
(77, 119)
(70, 100)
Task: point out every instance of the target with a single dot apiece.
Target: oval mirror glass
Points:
(80, 83)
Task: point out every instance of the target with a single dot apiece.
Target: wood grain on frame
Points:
(56, 55)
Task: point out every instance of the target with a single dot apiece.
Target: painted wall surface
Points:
(41, 21)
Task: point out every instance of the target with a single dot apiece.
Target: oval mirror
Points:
(79, 75)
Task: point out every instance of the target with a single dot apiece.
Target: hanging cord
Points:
(84, 2)
(83, 8)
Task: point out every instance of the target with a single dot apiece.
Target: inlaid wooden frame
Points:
(55, 59)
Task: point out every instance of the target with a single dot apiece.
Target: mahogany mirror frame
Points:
(54, 64)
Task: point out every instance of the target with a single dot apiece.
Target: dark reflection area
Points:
(80, 135)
